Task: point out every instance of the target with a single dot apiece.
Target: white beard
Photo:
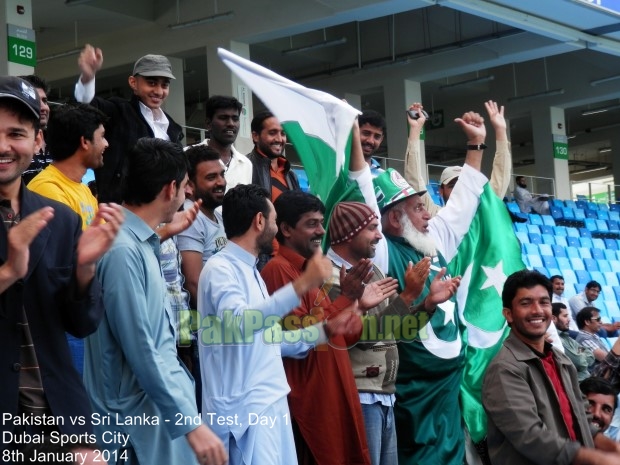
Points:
(422, 242)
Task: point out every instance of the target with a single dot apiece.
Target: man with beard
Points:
(206, 236)
(581, 356)
(270, 169)
(372, 131)
(241, 340)
(526, 201)
(602, 402)
(223, 126)
(428, 416)
(42, 158)
(354, 235)
(326, 371)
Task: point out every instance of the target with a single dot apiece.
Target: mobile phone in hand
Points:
(415, 114)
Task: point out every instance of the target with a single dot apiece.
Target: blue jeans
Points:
(380, 433)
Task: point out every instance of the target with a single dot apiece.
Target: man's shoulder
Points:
(34, 201)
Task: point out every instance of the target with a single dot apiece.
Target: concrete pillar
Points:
(398, 95)
(548, 126)
(221, 81)
(18, 15)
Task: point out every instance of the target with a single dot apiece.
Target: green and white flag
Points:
(317, 123)
(488, 254)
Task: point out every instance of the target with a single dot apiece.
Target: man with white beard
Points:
(428, 415)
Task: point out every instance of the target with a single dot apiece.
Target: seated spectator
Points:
(526, 201)
(558, 296)
(530, 393)
(581, 356)
(586, 299)
(602, 402)
(589, 323)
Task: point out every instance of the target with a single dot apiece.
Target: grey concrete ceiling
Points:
(529, 46)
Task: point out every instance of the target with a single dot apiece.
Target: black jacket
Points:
(125, 127)
(261, 174)
(47, 295)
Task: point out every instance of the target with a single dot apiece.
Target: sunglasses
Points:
(596, 319)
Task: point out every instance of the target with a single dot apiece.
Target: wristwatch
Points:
(477, 147)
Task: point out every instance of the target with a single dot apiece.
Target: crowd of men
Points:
(216, 328)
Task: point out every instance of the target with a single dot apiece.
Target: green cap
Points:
(391, 188)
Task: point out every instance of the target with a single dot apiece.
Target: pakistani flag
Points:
(488, 254)
(317, 124)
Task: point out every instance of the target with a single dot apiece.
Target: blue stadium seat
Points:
(613, 311)
(561, 240)
(616, 291)
(602, 215)
(585, 242)
(603, 265)
(590, 224)
(548, 239)
(611, 244)
(546, 229)
(534, 260)
(577, 265)
(584, 252)
(560, 230)
(568, 213)
(583, 276)
(549, 261)
(513, 207)
(548, 220)
(581, 203)
(598, 243)
(572, 252)
(542, 270)
(533, 228)
(593, 206)
(579, 214)
(573, 241)
(558, 251)
(603, 206)
(601, 225)
(590, 264)
(554, 271)
(545, 249)
(563, 264)
(570, 203)
(591, 214)
(535, 219)
(614, 207)
(613, 225)
(523, 238)
(614, 215)
(535, 238)
(530, 249)
(556, 213)
(607, 293)
(598, 277)
(610, 254)
(569, 275)
(611, 278)
(556, 203)
(522, 227)
(572, 232)
(585, 232)
(599, 254)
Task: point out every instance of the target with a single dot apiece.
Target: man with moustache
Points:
(223, 125)
(581, 356)
(131, 364)
(206, 236)
(602, 399)
(270, 169)
(412, 234)
(558, 297)
(42, 158)
(530, 392)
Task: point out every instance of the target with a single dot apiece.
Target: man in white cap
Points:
(130, 120)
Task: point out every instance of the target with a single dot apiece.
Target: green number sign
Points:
(560, 150)
(21, 45)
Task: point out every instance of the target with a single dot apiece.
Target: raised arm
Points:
(89, 62)
(473, 127)
(502, 163)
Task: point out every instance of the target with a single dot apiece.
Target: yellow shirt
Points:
(52, 183)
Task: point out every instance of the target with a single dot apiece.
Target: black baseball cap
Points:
(18, 89)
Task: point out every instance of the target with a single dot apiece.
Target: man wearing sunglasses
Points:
(589, 323)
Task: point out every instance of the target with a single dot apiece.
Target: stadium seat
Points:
(545, 249)
(611, 278)
(614, 207)
(560, 231)
(530, 249)
(607, 292)
(532, 228)
(603, 206)
(601, 225)
(549, 261)
(520, 227)
(535, 219)
(513, 207)
(545, 229)
(561, 240)
(573, 241)
(603, 265)
(585, 232)
(598, 254)
(602, 215)
(523, 238)
(610, 254)
(577, 265)
(614, 215)
(548, 239)
(581, 203)
(572, 252)
(583, 276)
(590, 264)
(616, 291)
(611, 244)
(590, 224)
(585, 242)
(613, 310)
(556, 203)
(593, 206)
(535, 238)
(613, 225)
(558, 251)
(598, 277)
(570, 204)
(549, 221)
(598, 243)
(579, 214)
(534, 261)
(564, 264)
(591, 214)
(542, 270)
(584, 252)
(572, 232)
